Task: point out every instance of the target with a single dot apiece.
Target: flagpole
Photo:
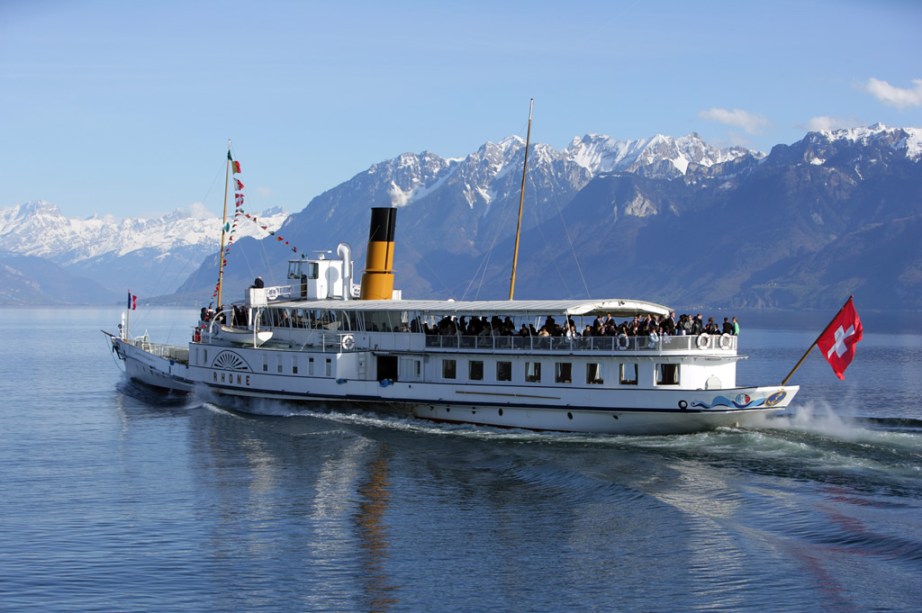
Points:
(807, 352)
(223, 224)
(518, 228)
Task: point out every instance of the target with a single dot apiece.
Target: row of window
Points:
(327, 366)
(666, 374)
(563, 372)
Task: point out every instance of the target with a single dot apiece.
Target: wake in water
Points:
(843, 423)
(816, 443)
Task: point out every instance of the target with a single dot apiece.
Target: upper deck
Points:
(606, 344)
(449, 326)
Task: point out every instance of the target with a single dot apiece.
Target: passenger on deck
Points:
(669, 324)
(697, 325)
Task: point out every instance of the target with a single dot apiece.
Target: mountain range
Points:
(47, 258)
(672, 220)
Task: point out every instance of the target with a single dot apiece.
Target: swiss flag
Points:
(838, 340)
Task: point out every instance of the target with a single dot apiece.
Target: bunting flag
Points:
(279, 238)
(235, 165)
(231, 228)
(227, 227)
(838, 340)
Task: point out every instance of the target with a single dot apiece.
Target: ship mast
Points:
(227, 173)
(518, 228)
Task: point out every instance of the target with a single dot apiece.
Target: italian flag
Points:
(234, 163)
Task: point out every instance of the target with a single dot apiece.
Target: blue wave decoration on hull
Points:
(742, 401)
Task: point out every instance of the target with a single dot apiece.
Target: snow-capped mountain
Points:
(673, 220)
(39, 228)
(149, 256)
(657, 156)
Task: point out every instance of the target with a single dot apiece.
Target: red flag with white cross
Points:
(838, 341)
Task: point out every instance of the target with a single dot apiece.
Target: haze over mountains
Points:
(672, 220)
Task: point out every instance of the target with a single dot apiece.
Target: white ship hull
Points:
(160, 366)
(587, 409)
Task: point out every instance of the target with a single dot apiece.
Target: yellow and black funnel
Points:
(378, 278)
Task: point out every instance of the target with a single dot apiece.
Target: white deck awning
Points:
(612, 306)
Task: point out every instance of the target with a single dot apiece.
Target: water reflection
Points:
(303, 501)
(374, 491)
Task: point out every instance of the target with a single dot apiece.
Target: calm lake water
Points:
(116, 499)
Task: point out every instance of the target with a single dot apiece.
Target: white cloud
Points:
(827, 124)
(749, 122)
(895, 96)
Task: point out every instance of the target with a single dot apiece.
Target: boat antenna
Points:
(230, 159)
(518, 228)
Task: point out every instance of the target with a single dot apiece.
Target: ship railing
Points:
(614, 344)
(169, 352)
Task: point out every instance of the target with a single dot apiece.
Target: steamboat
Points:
(326, 341)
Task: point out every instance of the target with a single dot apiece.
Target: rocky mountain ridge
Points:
(673, 220)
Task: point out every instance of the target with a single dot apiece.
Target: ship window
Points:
(278, 365)
(449, 368)
(475, 370)
(629, 374)
(310, 366)
(294, 365)
(594, 373)
(667, 374)
(563, 372)
(504, 371)
(533, 372)
(328, 368)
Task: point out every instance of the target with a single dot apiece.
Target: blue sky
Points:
(124, 107)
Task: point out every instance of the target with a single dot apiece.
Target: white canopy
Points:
(613, 306)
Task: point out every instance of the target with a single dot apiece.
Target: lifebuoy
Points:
(725, 341)
(653, 340)
(623, 341)
(272, 293)
(347, 342)
(703, 340)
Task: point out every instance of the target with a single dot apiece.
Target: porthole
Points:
(569, 415)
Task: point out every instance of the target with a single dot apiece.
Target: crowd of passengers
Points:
(603, 325)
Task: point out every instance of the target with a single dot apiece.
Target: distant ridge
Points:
(673, 220)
